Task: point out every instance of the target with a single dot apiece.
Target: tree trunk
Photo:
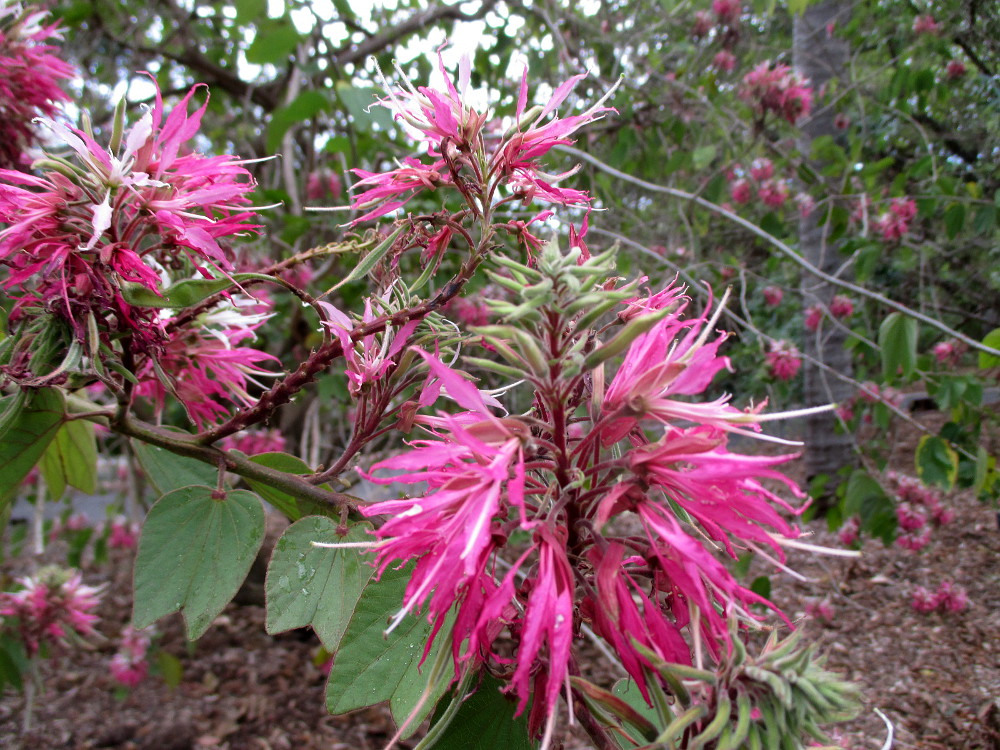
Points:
(821, 57)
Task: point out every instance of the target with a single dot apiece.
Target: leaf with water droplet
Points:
(328, 581)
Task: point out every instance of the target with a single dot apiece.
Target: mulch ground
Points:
(935, 676)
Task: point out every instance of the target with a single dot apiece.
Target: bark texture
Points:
(821, 56)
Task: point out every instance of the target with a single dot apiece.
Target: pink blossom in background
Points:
(776, 88)
(841, 307)
(703, 24)
(773, 295)
(949, 352)
(784, 360)
(123, 534)
(820, 609)
(30, 84)
(951, 598)
(909, 518)
(129, 666)
(845, 411)
(813, 317)
(773, 193)
(805, 203)
(255, 442)
(926, 25)
(727, 11)
(323, 184)
(923, 600)
(841, 121)
(954, 70)
(850, 531)
(762, 169)
(51, 606)
(740, 191)
(724, 60)
(914, 540)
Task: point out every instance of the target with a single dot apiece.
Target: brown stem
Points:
(187, 445)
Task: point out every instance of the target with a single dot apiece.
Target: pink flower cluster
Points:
(486, 478)
(776, 88)
(954, 70)
(919, 505)
(323, 184)
(820, 609)
(255, 442)
(949, 352)
(122, 533)
(50, 608)
(773, 295)
(772, 191)
(77, 236)
(841, 307)
(129, 666)
(926, 25)
(464, 146)
(947, 598)
(784, 360)
(30, 73)
(850, 531)
(895, 222)
(813, 317)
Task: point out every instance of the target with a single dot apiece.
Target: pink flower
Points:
(727, 11)
(951, 598)
(762, 169)
(703, 24)
(909, 518)
(773, 295)
(724, 60)
(926, 25)
(51, 607)
(783, 360)
(805, 203)
(123, 535)
(255, 442)
(129, 666)
(29, 86)
(773, 193)
(914, 541)
(72, 243)
(323, 184)
(777, 89)
(850, 531)
(841, 121)
(740, 191)
(814, 316)
(954, 70)
(461, 141)
(841, 307)
(207, 368)
(474, 471)
(949, 352)
(370, 358)
(820, 610)
(923, 600)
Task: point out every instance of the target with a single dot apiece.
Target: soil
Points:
(935, 677)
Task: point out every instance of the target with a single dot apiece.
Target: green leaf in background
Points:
(954, 220)
(249, 10)
(992, 340)
(703, 156)
(71, 458)
(170, 668)
(317, 586)
(167, 471)
(304, 107)
(292, 507)
(897, 338)
(358, 103)
(485, 721)
(29, 422)
(194, 553)
(274, 42)
(864, 497)
(185, 293)
(371, 667)
(937, 462)
(369, 262)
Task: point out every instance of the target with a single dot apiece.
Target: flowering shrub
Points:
(605, 503)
